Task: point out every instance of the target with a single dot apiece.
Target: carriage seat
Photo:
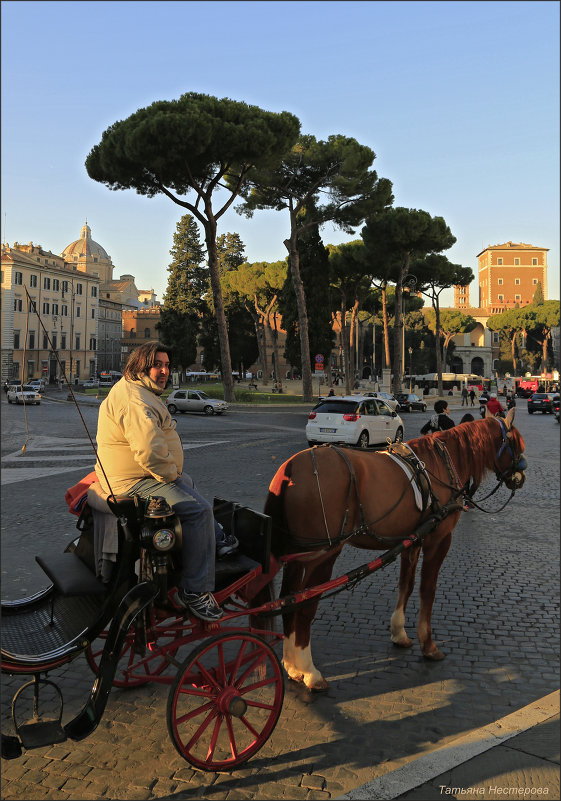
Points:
(70, 575)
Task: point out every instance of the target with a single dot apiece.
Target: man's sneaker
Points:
(201, 604)
(228, 545)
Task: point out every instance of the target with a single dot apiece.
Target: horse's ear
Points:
(488, 413)
(509, 419)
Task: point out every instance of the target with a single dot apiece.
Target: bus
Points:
(109, 377)
(454, 381)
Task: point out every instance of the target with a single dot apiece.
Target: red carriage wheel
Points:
(225, 701)
(135, 669)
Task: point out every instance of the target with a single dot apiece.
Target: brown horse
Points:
(325, 497)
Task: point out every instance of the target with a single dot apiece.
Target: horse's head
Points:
(510, 462)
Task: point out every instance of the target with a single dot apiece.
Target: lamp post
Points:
(410, 349)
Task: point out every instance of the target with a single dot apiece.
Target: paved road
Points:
(495, 616)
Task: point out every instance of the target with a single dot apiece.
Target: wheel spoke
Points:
(237, 663)
(198, 711)
(260, 705)
(246, 723)
(214, 738)
(249, 687)
(259, 658)
(231, 737)
(204, 725)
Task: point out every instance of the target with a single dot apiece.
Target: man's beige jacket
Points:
(136, 437)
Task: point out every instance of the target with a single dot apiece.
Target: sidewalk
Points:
(515, 757)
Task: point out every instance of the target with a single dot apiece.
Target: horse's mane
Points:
(472, 447)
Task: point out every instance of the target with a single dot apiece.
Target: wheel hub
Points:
(231, 703)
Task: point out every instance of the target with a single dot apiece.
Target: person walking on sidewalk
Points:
(472, 396)
(141, 454)
(464, 396)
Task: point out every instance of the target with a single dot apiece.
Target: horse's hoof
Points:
(320, 686)
(435, 656)
(297, 677)
(405, 643)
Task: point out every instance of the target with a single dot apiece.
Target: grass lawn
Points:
(216, 390)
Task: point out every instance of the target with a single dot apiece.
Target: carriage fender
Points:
(137, 599)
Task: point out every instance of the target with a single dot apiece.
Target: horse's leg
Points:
(432, 561)
(406, 583)
(292, 578)
(298, 660)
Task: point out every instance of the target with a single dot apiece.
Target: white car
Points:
(38, 384)
(194, 400)
(354, 420)
(391, 400)
(25, 393)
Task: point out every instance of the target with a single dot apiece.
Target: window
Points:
(77, 341)
(64, 287)
(78, 289)
(46, 308)
(501, 298)
(31, 340)
(93, 314)
(18, 278)
(516, 262)
(16, 340)
(94, 292)
(496, 337)
(18, 304)
(33, 280)
(53, 339)
(78, 311)
(517, 281)
(45, 342)
(63, 341)
(499, 261)
(500, 282)
(146, 333)
(133, 333)
(64, 311)
(30, 369)
(534, 262)
(517, 297)
(534, 281)
(54, 308)
(46, 283)
(92, 343)
(77, 372)
(56, 284)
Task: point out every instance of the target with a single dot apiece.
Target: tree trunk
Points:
(225, 360)
(292, 247)
(259, 323)
(437, 337)
(513, 350)
(353, 338)
(386, 331)
(275, 338)
(398, 327)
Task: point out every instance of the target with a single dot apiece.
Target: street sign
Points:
(319, 358)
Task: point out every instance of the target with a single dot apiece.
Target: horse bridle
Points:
(518, 463)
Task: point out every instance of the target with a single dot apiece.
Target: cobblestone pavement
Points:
(495, 617)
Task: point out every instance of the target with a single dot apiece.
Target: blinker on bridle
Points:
(519, 462)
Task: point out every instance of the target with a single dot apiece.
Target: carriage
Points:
(116, 605)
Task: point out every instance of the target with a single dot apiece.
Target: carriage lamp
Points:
(161, 527)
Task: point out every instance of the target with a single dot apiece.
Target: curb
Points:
(429, 766)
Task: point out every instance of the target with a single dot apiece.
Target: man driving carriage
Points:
(139, 452)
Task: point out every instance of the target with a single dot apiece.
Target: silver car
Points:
(23, 394)
(354, 420)
(194, 400)
(391, 400)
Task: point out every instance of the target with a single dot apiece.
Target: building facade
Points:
(509, 275)
(49, 310)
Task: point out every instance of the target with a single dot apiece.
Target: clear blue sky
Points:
(459, 101)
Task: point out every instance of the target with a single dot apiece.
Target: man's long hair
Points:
(143, 358)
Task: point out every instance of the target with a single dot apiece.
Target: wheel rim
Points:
(399, 435)
(225, 701)
(363, 440)
(134, 669)
(209, 410)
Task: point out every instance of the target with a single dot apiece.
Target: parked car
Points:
(409, 402)
(354, 420)
(555, 404)
(25, 393)
(194, 400)
(39, 384)
(541, 402)
(391, 400)
(92, 383)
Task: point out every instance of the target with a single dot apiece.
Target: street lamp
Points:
(410, 349)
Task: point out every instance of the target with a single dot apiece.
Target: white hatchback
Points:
(194, 400)
(354, 420)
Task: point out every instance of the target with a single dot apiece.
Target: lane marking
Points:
(427, 767)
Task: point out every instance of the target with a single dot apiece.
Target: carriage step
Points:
(70, 575)
(36, 734)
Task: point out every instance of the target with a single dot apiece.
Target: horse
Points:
(326, 497)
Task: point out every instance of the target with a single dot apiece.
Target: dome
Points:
(85, 246)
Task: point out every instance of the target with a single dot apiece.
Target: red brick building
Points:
(509, 275)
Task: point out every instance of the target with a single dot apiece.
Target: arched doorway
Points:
(457, 365)
(477, 366)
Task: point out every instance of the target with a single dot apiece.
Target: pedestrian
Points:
(140, 453)
(467, 418)
(440, 420)
(464, 396)
(472, 396)
(331, 393)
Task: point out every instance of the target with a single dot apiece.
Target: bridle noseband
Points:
(518, 463)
